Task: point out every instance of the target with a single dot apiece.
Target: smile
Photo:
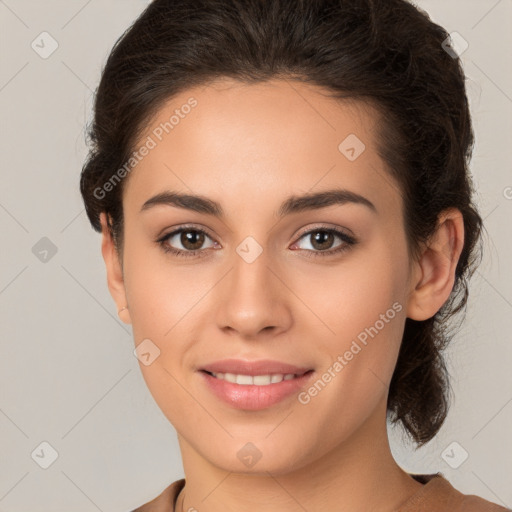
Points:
(254, 392)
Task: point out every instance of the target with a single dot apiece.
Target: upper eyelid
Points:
(325, 227)
(180, 229)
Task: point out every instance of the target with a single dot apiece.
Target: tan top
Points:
(437, 495)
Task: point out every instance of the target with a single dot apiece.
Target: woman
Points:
(287, 222)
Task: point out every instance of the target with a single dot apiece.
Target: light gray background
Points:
(68, 375)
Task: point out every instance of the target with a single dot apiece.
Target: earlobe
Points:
(115, 278)
(435, 270)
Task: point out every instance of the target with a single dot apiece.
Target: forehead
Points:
(233, 139)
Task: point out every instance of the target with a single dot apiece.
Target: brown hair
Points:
(386, 52)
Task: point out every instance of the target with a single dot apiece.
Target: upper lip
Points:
(261, 367)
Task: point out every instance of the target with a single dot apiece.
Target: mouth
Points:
(254, 392)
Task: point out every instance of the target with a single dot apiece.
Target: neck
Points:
(359, 474)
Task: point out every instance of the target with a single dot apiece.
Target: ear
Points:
(434, 273)
(115, 278)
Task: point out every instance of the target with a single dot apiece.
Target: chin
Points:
(259, 456)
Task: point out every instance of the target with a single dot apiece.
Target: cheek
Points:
(359, 359)
(352, 296)
(160, 293)
(362, 303)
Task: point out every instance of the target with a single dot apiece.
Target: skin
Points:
(250, 147)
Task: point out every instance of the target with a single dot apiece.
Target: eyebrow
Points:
(293, 204)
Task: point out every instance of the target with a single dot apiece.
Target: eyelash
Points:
(348, 240)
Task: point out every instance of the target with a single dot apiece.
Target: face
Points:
(320, 286)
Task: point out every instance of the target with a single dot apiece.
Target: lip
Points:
(252, 397)
(261, 367)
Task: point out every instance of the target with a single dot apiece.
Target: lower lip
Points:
(252, 397)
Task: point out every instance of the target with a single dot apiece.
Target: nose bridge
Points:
(252, 298)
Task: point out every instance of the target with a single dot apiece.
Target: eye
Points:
(191, 240)
(321, 240)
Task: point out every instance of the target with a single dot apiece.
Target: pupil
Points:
(320, 237)
(192, 240)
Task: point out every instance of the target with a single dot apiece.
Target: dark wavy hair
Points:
(387, 53)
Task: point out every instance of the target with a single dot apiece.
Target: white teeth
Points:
(258, 380)
(261, 380)
(244, 379)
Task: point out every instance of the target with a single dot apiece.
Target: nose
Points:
(252, 301)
